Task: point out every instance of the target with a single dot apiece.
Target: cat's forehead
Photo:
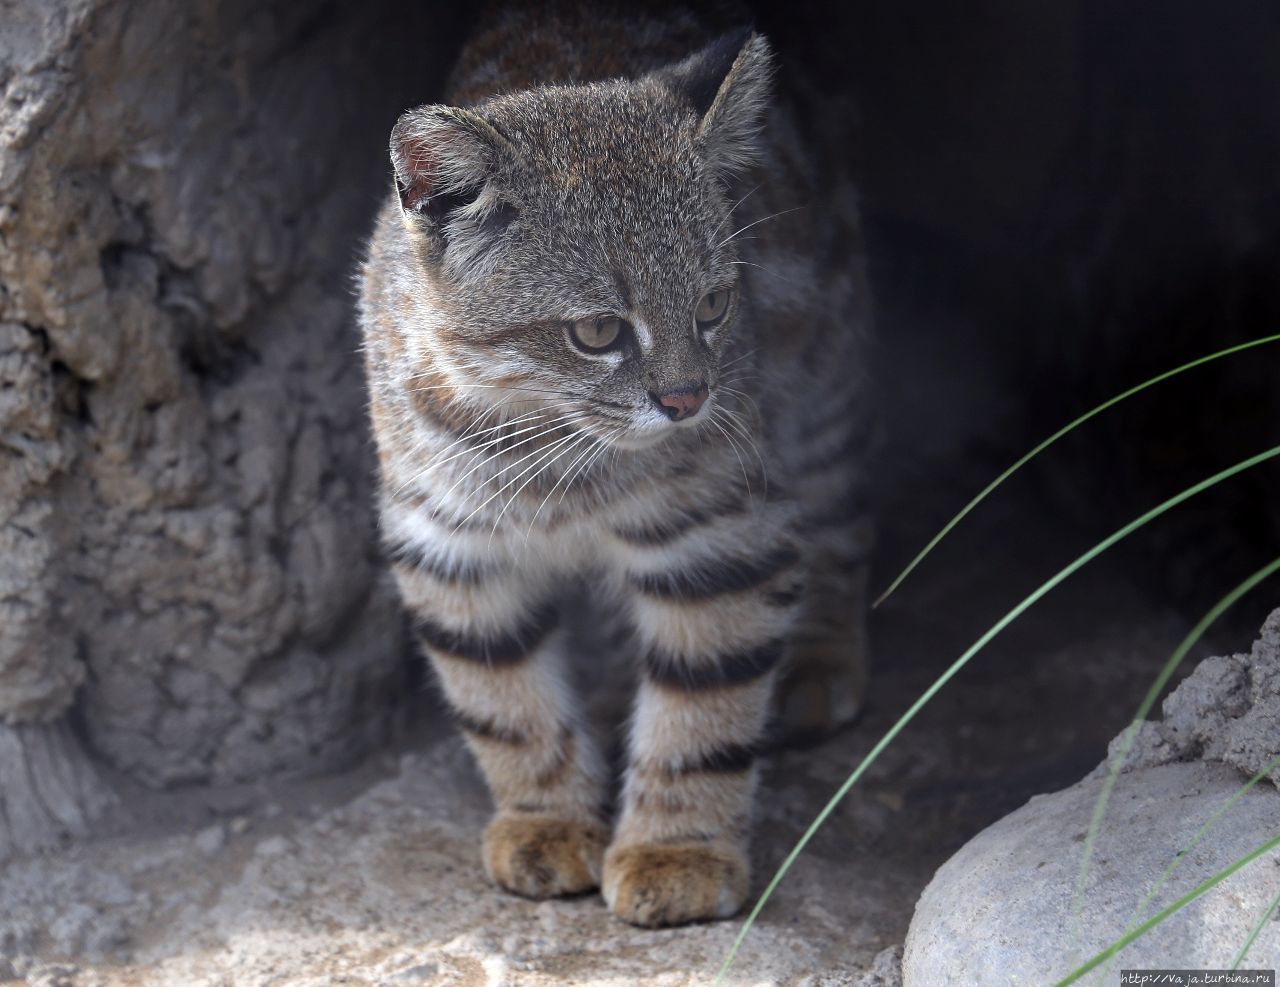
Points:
(600, 140)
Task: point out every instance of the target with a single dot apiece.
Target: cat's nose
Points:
(683, 401)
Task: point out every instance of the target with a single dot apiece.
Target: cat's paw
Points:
(541, 856)
(651, 885)
(817, 697)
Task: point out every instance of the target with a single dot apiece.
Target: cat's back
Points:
(516, 47)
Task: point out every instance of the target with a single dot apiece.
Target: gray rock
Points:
(1000, 910)
(211, 839)
(1227, 710)
(187, 548)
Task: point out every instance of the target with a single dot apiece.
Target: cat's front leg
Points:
(495, 646)
(713, 618)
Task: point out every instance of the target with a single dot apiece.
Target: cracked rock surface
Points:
(185, 477)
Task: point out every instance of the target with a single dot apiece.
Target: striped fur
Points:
(596, 165)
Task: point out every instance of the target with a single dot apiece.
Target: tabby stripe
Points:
(507, 649)
(420, 558)
(438, 407)
(730, 759)
(664, 532)
(488, 729)
(716, 577)
(725, 670)
(785, 597)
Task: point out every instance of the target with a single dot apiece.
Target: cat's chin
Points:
(635, 439)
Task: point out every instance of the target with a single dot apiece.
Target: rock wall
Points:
(186, 541)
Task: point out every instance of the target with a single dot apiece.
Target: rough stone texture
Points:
(1000, 910)
(51, 791)
(1227, 710)
(184, 470)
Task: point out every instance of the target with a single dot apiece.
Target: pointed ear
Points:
(443, 159)
(446, 161)
(728, 84)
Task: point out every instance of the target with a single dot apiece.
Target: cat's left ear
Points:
(728, 83)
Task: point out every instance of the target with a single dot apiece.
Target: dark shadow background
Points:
(1063, 199)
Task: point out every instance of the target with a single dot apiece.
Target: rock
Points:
(187, 545)
(211, 839)
(1227, 710)
(1000, 910)
(49, 788)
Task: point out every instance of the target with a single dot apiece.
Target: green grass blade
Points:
(1261, 924)
(986, 492)
(1126, 742)
(1181, 855)
(1164, 913)
(958, 664)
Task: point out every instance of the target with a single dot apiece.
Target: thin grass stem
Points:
(1200, 834)
(1212, 882)
(1261, 924)
(986, 492)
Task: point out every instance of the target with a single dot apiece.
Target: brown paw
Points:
(671, 885)
(540, 856)
(817, 697)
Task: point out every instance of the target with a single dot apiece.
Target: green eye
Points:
(711, 308)
(598, 333)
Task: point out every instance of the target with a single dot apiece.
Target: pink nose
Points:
(681, 402)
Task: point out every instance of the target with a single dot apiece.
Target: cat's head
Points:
(579, 237)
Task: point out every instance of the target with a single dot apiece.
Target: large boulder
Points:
(1003, 909)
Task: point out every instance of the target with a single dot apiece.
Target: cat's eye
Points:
(598, 333)
(711, 308)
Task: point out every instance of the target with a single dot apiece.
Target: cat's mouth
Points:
(647, 427)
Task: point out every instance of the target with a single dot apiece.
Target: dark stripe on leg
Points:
(730, 759)
(487, 729)
(715, 673)
(420, 559)
(669, 529)
(505, 649)
(716, 577)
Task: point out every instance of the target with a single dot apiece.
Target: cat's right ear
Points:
(728, 85)
(444, 157)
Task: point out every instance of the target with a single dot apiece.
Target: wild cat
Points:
(614, 313)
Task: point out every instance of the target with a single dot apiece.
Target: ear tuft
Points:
(728, 84)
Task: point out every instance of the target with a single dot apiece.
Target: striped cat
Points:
(613, 314)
